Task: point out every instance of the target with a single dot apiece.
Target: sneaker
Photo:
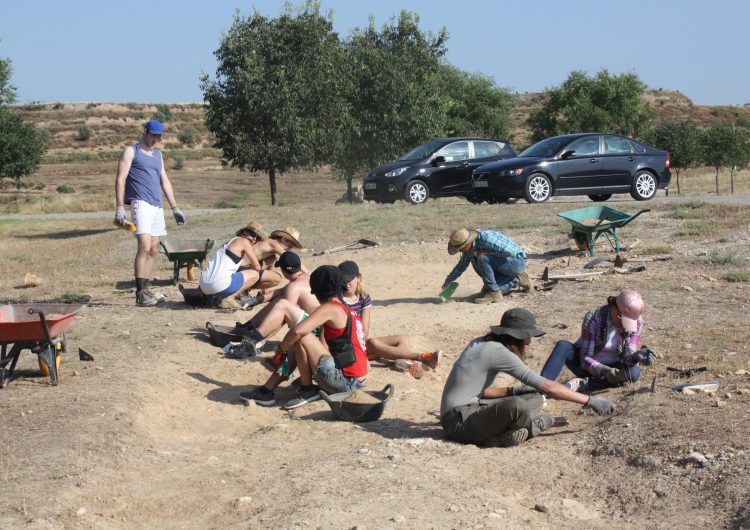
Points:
(145, 299)
(160, 297)
(303, 398)
(490, 298)
(431, 358)
(261, 396)
(415, 368)
(242, 350)
(248, 302)
(524, 282)
(578, 384)
(509, 438)
(230, 302)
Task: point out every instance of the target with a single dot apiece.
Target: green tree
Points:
(476, 106)
(683, 141)
(21, 144)
(717, 148)
(7, 91)
(275, 101)
(606, 103)
(739, 154)
(392, 97)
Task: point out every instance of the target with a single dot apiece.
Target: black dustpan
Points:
(345, 405)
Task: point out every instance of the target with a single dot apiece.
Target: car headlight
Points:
(515, 172)
(396, 172)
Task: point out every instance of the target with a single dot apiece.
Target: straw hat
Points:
(459, 239)
(518, 323)
(255, 227)
(292, 234)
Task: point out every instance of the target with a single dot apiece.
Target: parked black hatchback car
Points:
(593, 164)
(440, 168)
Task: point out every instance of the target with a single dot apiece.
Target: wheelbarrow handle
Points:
(634, 216)
(43, 320)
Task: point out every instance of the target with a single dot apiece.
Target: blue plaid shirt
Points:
(490, 242)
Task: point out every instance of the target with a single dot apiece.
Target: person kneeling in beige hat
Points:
(496, 258)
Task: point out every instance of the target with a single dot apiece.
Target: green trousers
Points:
(478, 423)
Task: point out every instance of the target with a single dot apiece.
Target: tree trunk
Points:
(349, 194)
(731, 181)
(717, 181)
(272, 182)
(678, 181)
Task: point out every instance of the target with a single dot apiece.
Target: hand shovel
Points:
(362, 242)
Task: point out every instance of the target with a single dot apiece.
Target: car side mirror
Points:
(567, 154)
(438, 160)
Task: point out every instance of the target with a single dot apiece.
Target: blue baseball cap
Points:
(154, 127)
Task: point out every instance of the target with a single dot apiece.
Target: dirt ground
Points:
(152, 434)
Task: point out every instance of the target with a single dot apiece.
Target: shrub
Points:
(84, 133)
(58, 106)
(737, 277)
(163, 113)
(179, 163)
(65, 188)
(188, 136)
(728, 258)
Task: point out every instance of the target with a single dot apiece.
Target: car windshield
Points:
(423, 151)
(546, 148)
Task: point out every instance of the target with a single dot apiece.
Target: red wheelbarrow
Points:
(36, 327)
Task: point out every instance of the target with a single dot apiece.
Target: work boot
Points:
(525, 283)
(145, 299)
(510, 438)
(490, 298)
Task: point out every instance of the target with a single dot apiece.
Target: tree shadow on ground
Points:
(65, 234)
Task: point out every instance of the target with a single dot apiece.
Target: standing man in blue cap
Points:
(140, 180)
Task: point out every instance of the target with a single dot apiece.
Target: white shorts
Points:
(148, 219)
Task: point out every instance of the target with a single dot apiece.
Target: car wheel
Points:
(538, 188)
(601, 197)
(475, 200)
(417, 192)
(644, 186)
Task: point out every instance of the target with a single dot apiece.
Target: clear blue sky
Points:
(107, 51)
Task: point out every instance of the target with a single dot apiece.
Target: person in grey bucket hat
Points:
(472, 411)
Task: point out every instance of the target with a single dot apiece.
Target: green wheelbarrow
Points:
(189, 253)
(589, 224)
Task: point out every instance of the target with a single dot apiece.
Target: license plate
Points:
(480, 183)
(370, 185)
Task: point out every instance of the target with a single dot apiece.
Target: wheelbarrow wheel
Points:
(644, 186)
(538, 188)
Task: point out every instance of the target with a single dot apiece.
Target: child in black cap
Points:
(339, 365)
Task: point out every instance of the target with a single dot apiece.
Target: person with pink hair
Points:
(608, 352)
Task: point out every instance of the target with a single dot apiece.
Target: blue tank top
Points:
(144, 178)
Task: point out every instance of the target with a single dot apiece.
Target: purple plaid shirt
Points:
(594, 338)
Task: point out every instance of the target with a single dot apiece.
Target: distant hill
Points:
(115, 125)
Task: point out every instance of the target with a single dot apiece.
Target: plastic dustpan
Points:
(360, 405)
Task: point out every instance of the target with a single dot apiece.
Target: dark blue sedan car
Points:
(593, 164)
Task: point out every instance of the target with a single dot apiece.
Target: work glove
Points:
(601, 406)
(179, 216)
(645, 356)
(614, 375)
(120, 215)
